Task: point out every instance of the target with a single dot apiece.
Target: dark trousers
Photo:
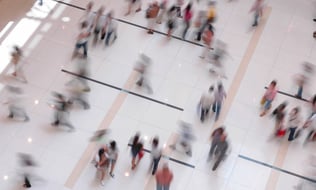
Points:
(108, 37)
(299, 91)
(201, 30)
(255, 23)
(27, 182)
(204, 112)
(84, 46)
(292, 133)
(155, 163)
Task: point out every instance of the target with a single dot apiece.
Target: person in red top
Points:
(164, 177)
(187, 19)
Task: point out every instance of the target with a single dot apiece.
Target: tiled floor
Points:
(178, 77)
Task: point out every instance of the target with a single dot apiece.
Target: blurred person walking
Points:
(102, 162)
(111, 29)
(112, 155)
(151, 15)
(171, 21)
(294, 122)
(220, 151)
(206, 102)
(268, 97)
(61, 115)
(311, 124)
(216, 139)
(162, 11)
(142, 66)
(188, 14)
(257, 8)
(303, 78)
(27, 166)
(156, 154)
(16, 57)
(211, 17)
(185, 138)
(164, 178)
(207, 39)
(220, 95)
(88, 16)
(136, 150)
(279, 113)
(15, 103)
(99, 22)
(82, 40)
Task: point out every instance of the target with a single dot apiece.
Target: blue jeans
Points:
(162, 187)
(217, 109)
(267, 104)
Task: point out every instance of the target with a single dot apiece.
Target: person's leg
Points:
(218, 111)
(299, 91)
(159, 186)
(292, 132)
(308, 138)
(108, 37)
(155, 165)
(211, 152)
(166, 187)
(85, 49)
(112, 162)
(27, 183)
(266, 107)
(255, 23)
(186, 27)
(202, 114)
(201, 30)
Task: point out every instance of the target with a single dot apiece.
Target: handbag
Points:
(263, 100)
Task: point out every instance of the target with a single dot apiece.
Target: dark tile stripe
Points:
(290, 95)
(276, 168)
(124, 90)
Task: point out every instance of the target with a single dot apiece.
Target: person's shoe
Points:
(137, 10)
(314, 19)
(150, 32)
(10, 116)
(112, 175)
(102, 183)
(189, 153)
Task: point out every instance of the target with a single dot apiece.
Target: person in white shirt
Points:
(294, 121)
(98, 22)
(310, 123)
(88, 16)
(111, 28)
(155, 155)
(82, 40)
(112, 155)
(206, 102)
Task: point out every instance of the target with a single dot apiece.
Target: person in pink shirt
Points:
(164, 177)
(268, 97)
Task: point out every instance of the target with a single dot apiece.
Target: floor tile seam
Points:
(126, 91)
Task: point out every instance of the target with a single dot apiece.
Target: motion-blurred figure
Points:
(210, 18)
(311, 124)
(172, 20)
(310, 171)
(188, 14)
(100, 135)
(82, 40)
(294, 122)
(88, 16)
(216, 138)
(164, 178)
(279, 114)
(217, 59)
(15, 103)
(156, 153)
(303, 78)
(61, 106)
(268, 97)
(151, 15)
(220, 95)
(111, 29)
(206, 103)
(257, 8)
(185, 138)
(162, 11)
(16, 57)
(98, 23)
(207, 39)
(142, 66)
(27, 164)
(136, 150)
(221, 150)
